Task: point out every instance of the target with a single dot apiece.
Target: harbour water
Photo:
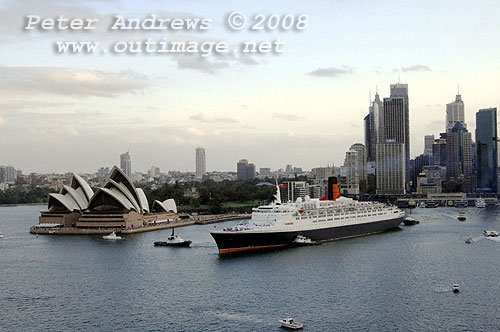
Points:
(396, 281)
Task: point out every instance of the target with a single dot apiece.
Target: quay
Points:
(57, 230)
(215, 218)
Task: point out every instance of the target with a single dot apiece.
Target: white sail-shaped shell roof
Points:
(144, 200)
(77, 196)
(112, 197)
(59, 202)
(74, 197)
(124, 190)
(77, 182)
(165, 206)
(118, 176)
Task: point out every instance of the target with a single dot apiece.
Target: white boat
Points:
(112, 236)
(302, 240)
(290, 323)
(480, 203)
(1, 235)
(421, 204)
(462, 216)
(456, 288)
(490, 233)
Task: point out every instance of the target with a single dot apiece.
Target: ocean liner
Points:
(329, 218)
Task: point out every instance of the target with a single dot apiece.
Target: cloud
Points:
(211, 118)
(416, 68)
(248, 60)
(331, 72)
(288, 117)
(70, 82)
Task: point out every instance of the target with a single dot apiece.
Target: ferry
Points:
(329, 218)
(461, 203)
(431, 204)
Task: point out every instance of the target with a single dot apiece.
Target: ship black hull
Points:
(237, 241)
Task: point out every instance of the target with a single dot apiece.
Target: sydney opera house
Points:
(117, 206)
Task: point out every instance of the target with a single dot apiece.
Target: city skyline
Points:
(308, 102)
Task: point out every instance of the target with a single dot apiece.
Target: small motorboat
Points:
(174, 240)
(112, 236)
(409, 220)
(421, 205)
(462, 216)
(480, 203)
(469, 240)
(302, 240)
(455, 288)
(490, 233)
(1, 235)
(291, 324)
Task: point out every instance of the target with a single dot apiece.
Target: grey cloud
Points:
(210, 118)
(288, 117)
(416, 68)
(70, 82)
(199, 63)
(331, 72)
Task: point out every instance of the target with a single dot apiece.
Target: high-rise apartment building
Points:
(126, 163)
(487, 149)
(201, 165)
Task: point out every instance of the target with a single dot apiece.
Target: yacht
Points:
(112, 236)
(462, 216)
(480, 203)
(291, 324)
(455, 288)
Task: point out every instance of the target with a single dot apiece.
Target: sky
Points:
(62, 112)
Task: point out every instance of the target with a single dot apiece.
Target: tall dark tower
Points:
(400, 90)
(487, 149)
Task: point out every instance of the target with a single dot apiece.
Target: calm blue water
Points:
(396, 281)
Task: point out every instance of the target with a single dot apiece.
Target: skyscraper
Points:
(371, 122)
(391, 168)
(428, 142)
(245, 171)
(351, 172)
(400, 90)
(125, 163)
(201, 166)
(241, 169)
(458, 152)
(455, 112)
(486, 149)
